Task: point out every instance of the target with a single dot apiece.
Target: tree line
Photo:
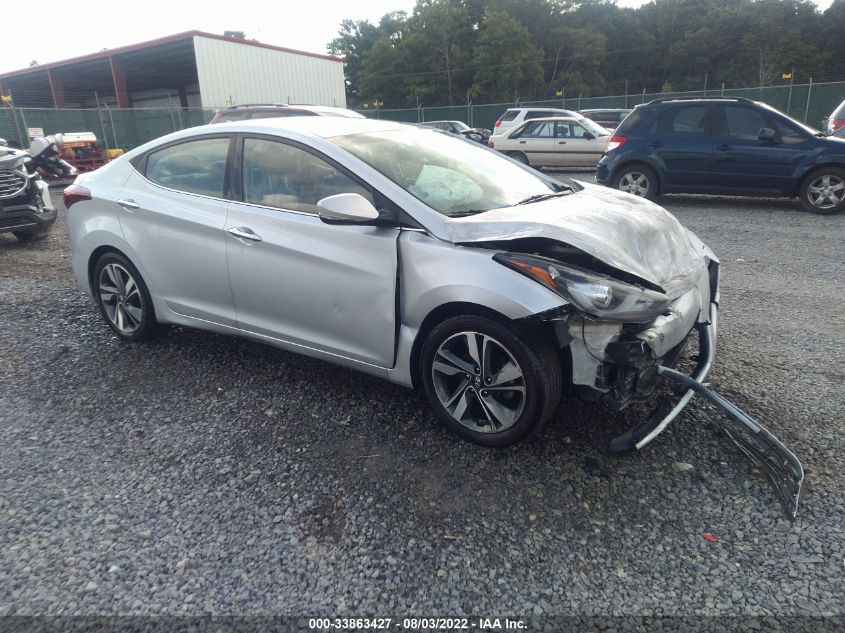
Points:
(448, 52)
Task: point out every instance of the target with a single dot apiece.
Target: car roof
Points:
(591, 110)
(536, 108)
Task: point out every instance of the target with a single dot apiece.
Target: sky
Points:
(52, 31)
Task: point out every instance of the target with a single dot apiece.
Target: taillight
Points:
(490, 144)
(835, 124)
(74, 194)
(498, 124)
(615, 142)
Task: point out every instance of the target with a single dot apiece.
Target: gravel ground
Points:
(200, 474)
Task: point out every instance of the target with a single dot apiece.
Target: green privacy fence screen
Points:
(807, 102)
(127, 128)
(115, 127)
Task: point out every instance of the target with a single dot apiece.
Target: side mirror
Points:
(346, 208)
(767, 134)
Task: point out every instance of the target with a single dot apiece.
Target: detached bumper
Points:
(25, 217)
(669, 408)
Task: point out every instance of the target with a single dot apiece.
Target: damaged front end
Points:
(618, 363)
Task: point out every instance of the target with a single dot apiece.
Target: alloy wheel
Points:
(826, 191)
(121, 298)
(478, 382)
(634, 182)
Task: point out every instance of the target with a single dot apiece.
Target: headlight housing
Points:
(594, 295)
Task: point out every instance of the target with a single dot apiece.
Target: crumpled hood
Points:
(626, 232)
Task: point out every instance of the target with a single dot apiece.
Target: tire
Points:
(465, 396)
(636, 179)
(28, 237)
(128, 310)
(823, 191)
(519, 156)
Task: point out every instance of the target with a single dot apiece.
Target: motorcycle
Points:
(26, 209)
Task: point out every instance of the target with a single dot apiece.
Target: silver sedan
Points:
(405, 253)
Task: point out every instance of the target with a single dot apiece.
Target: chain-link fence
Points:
(114, 127)
(810, 103)
(127, 128)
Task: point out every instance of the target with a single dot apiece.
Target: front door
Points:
(743, 162)
(296, 279)
(174, 215)
(577, 146)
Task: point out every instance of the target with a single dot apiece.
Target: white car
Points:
(513, 117)
(554, 142)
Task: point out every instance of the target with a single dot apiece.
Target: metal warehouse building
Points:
(192, 69)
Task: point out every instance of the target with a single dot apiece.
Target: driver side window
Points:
(286, 177)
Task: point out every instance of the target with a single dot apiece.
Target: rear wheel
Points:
(522, 158)
(123, 298)
(636, 179)
(490, 384)
(823, 191)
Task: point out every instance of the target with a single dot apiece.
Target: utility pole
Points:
(705, 84)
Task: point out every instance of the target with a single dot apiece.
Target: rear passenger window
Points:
(193, 167)
(542, 129)
(631, 121)
(287, 177)
(685, 121)
(741, 123)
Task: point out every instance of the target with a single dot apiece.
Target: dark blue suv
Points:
(728, 146)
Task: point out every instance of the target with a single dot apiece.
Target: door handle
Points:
(244, 233)
(128, 203)
(522, 142)
(723, 147)
(655, 144)
(561, 142)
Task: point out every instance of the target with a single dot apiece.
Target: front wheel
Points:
(490, 384)
(638, 180)
(823, 191)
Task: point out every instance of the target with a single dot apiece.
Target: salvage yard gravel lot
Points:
(199, 474)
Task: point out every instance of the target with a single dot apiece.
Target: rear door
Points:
(536, 139)
(296, 279)
(744, 163)
(680, 143)
(173, 212)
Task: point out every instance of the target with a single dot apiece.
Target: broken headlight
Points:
(594, 295)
